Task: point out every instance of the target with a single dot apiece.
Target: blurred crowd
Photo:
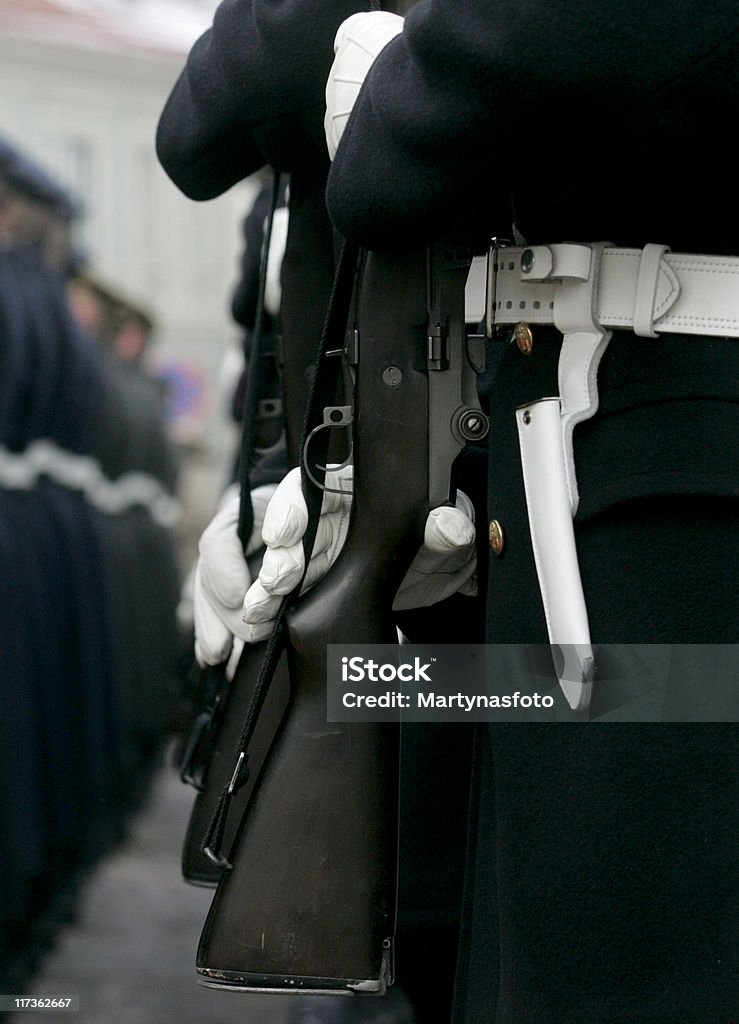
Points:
(89, 638)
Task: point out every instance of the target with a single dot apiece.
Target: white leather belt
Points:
(647, 291)
(587, 292)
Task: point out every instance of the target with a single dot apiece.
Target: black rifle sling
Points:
(322, 392)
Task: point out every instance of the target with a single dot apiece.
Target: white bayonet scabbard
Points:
(553, 543)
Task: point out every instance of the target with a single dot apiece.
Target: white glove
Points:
(358, 41)
(285, 523)
(221, 576)
(445, 564)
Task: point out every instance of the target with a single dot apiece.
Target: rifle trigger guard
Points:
(333, 416)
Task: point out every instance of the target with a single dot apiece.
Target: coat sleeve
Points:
(251, 93)
(477, 97)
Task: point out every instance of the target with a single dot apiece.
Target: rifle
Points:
(208, 760)
(309, 902)
(307, 278)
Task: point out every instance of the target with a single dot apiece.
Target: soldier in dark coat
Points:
(68, 780)
(601, 878)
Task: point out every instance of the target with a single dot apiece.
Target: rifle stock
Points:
(225, 730)
(309, 904)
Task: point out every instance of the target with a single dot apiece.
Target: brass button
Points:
(495, 533)
(524, 338)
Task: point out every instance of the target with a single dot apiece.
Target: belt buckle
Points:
(496, 245)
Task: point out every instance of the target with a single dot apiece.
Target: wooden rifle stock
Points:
(216, 755)
(309, 903)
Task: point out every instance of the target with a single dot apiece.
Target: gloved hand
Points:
(221, 577)
(445, 564)
(358, 41)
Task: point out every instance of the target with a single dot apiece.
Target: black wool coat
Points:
(591, 894)
(251, 93)
(580, 121)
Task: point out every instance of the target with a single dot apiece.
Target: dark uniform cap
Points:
(29, 180)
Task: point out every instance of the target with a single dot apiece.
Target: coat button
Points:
(495, 533)
(524, 338)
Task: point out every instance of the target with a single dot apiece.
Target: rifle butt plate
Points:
(285, 984)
